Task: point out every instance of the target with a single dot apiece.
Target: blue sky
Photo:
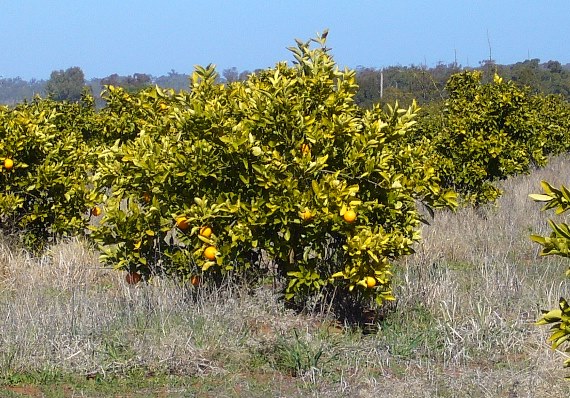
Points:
(126, 36)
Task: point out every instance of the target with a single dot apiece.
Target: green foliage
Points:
(45, 194)
(126, 115)
(130, 84)
(403, 84)
(485, 133)
(14, 90)
(427, 84)
(66, 85)
(559, 319)
(554, 119)
(556, 244)
(271, 164)
(559, 240)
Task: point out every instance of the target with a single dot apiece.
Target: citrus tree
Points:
(44, 170)
(558, 243)
(283, 166)
(125, 115)
(486, 132)
(554, 119)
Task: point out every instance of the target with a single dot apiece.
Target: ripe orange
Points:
(96, 211)
(370, 282)
(349, 216)
(195, 280)
(182, 223)
(306, 215)
(210, 253)
(8, 163)
(206, 232)
(133, 278)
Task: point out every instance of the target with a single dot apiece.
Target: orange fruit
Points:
(195, 280)
(370, 281)
(306, 215)
(182, 223)
(349, 216)
(8, 163)
(96, 211)
(206, 232)
(210, 253)
(132, 278)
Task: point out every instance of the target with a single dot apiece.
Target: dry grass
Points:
(463, 326)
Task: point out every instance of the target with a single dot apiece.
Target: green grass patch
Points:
(411, 333)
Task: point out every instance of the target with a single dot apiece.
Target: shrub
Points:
(272, 165)
(488, 132)
(45, 194)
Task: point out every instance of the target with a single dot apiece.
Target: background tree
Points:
(528, 73)
(137, 82)
(174, 80)
(14, 90)
(66, 85)
(132, 84)
(230, 75)
(401, 83)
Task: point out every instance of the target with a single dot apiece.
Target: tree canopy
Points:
(66, 84)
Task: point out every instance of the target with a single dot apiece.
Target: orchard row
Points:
(279, 175)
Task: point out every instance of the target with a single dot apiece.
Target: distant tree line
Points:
(385, 86)
(426, 85)
(16, 89)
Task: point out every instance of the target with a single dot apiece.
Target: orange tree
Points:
(282, 166)
(45, 194)
(126, 115)
(554, 119)
(486, 132)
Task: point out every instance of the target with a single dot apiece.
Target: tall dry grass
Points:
(483, 280)
(463, 324)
